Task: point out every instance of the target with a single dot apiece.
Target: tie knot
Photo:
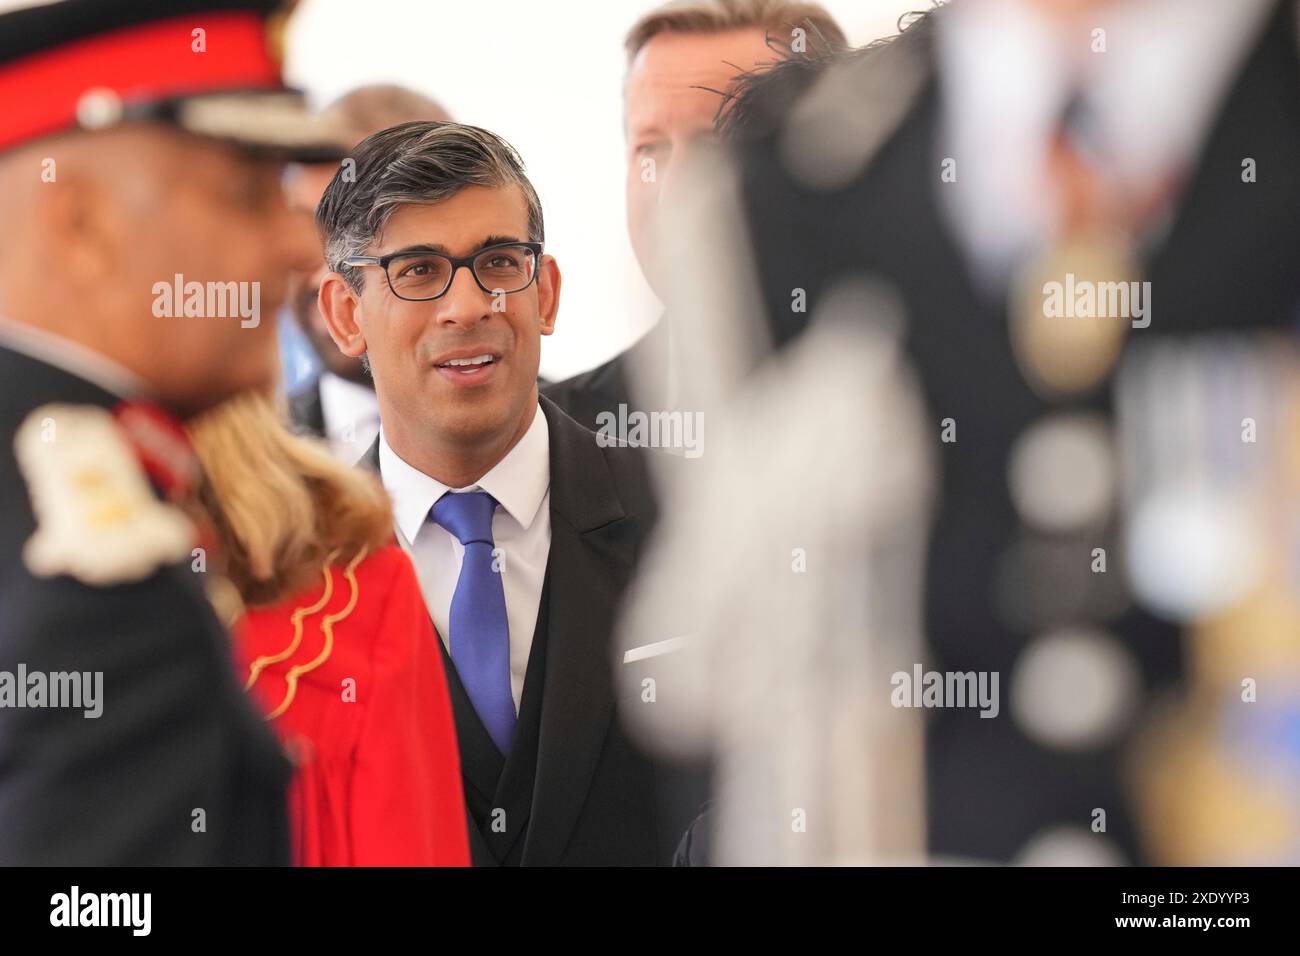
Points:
(468, 516)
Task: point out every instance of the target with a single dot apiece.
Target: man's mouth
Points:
(469, 363)
(468, 368)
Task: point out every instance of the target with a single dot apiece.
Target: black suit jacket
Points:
(607, 386)
(306, 414)
(176, 734)
(575, 789)
(1226, 262)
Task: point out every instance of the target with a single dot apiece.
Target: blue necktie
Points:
(480, 633)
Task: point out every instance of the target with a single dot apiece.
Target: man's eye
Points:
(418, 269)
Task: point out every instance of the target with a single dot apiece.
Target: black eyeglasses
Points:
(420, 276)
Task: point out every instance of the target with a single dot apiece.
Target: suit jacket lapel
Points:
(306, 410)
(480, 854)
(370, 460)
(590, 560)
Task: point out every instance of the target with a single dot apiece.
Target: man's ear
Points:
(339, 305)
(548, 293)
(82, 220)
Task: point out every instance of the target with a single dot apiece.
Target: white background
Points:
(548, 77)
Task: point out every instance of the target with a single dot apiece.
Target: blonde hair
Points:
(281, 504)
(721, 16)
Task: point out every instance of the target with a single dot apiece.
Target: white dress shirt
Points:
(351, 414)
(521, 531)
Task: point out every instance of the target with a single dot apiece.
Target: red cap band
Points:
(154, 61)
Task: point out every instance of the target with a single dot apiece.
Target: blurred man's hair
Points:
(778, 17)
(368, 109)
(759, 99)
(419, 162)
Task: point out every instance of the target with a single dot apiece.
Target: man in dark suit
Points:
(524, 528)
(912, 168)
(124, 736)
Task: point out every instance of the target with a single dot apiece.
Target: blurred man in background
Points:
(147, 244)
(338, 402)
(1107, 508)
(682, 59)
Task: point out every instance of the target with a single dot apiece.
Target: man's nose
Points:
(464, 303)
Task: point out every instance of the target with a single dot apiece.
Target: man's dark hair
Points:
(420, 162)
(758, 100)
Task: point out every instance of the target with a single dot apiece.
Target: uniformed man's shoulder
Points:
(90, 557)
(92, 512)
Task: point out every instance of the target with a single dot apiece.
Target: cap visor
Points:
(266, 122)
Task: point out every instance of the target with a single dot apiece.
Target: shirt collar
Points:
(345, 403)
(519, 481)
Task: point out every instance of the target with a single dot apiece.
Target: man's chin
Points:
(470, 431)
(191, 403)
(467, 419)
(256, 374)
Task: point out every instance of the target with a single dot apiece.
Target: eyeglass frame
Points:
(457, 262)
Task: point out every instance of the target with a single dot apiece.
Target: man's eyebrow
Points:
(442, 250)
(644, 133)
(420, 247)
